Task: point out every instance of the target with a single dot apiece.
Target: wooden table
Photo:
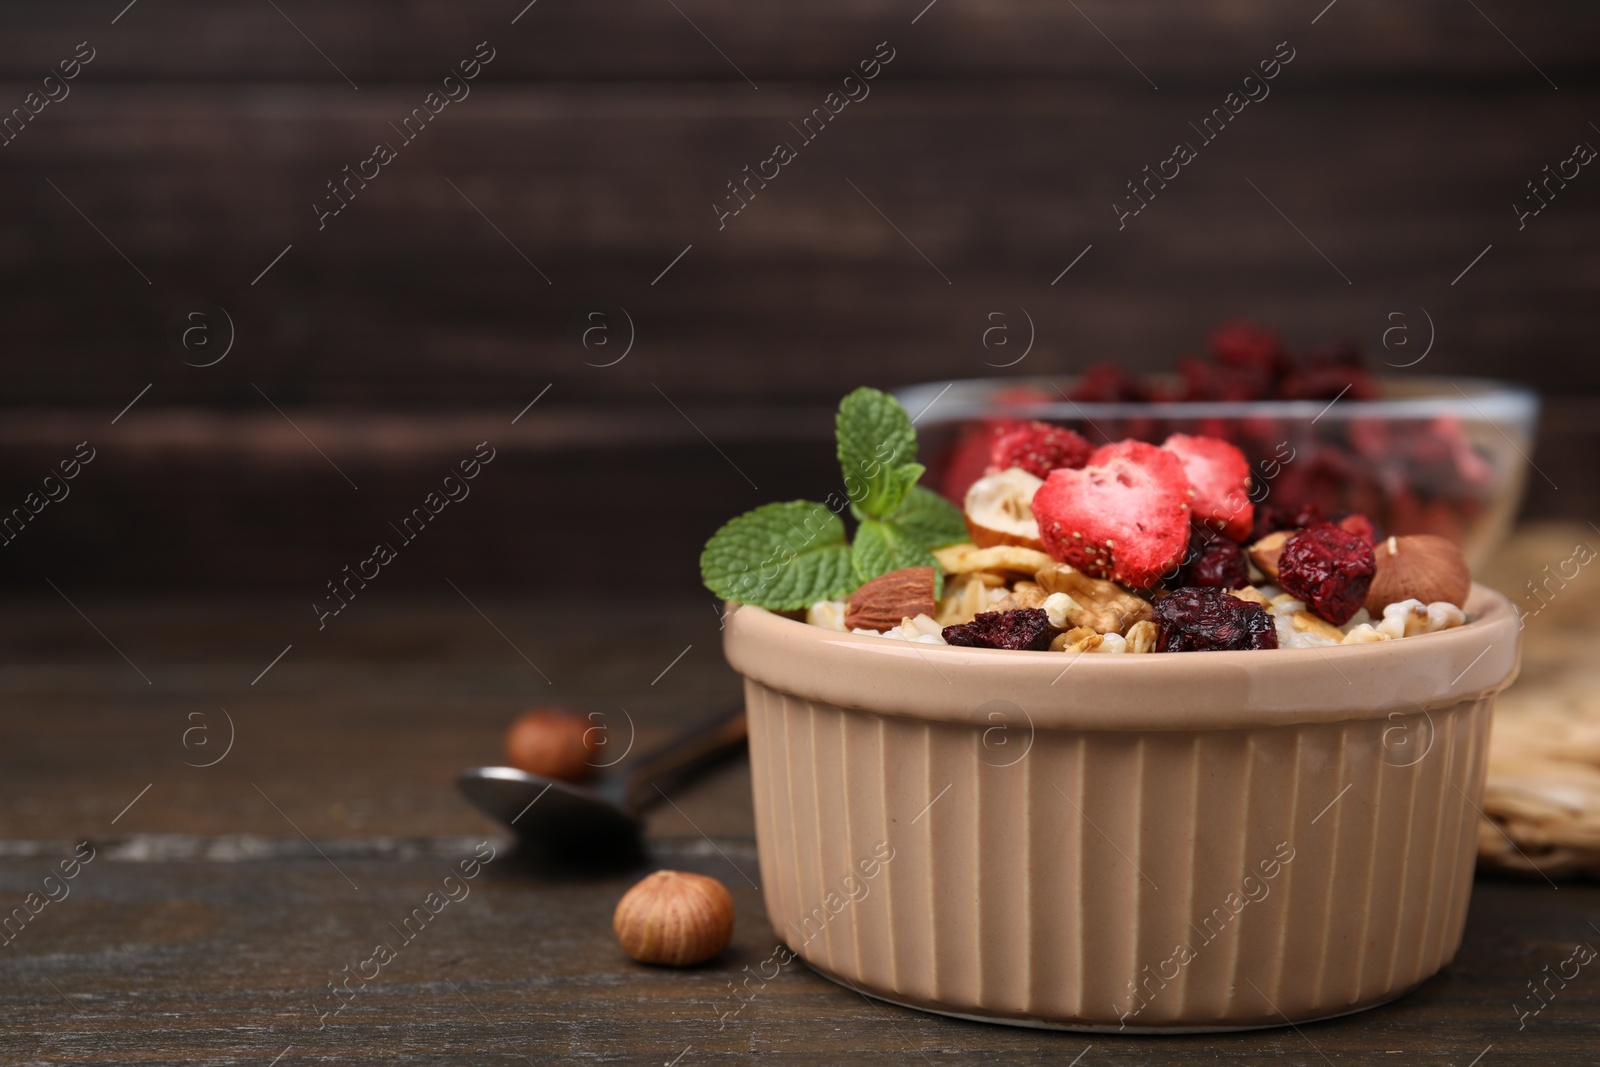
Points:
(222, 901)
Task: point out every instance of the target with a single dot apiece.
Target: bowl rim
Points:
(1477, 399)
(1152, 691)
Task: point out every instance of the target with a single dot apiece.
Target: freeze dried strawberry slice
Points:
(1220, 477)
(1038, 448)
(1124, 517)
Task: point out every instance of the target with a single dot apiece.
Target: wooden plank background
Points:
(588, 156)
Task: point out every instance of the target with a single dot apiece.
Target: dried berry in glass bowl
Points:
(1319, 428)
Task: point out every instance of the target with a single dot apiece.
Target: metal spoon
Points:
(609, 809)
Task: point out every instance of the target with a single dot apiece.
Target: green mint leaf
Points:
(930, 519)
(898, 483)
(780, 556)
(876, 440)
(881, 547)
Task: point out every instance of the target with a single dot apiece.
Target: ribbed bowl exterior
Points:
(1274, 865)
(1100, 880)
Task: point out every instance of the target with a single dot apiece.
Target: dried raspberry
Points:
(1330, 371)
(1331, 381)
(1213, 561)
(1026, 629)
(1210, 381)
(1358, 524)
(1038, 448)
(1329, 568)
(1107, 383)
(1242, 343)
(1209, 620)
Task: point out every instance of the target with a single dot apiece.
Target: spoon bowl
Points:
(606, 811)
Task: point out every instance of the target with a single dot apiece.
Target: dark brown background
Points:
(409, 330)
(597, 141)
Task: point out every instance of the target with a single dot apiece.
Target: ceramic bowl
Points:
(1154, 842)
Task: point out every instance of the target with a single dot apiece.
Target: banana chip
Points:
(966, 595)
(1010, 559)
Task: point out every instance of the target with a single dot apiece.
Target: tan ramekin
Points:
(1050, 839)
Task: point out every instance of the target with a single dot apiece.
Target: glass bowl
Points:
(1430, 455)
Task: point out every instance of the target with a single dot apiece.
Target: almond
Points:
(1265, 552)
(881, 603)
(1423, 567)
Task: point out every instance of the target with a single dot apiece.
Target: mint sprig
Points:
(927, 517)
(877, 446)
(780, 556)
(789, 556)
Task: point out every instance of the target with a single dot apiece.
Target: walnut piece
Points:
(1078, 639)
(1103, 606)
(1141, 636)
(1024, 594)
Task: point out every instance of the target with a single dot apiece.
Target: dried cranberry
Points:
(1270, 518)
(1329, 568)
(1213, 561)
(1210, 620)
(1026, 629)
(1304, 515)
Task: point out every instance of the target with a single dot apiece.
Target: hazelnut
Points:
(999, 509)
(1423, 567)
(552, 742)
(1265, 552)
(675, 918)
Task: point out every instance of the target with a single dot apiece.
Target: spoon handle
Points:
(649, 777)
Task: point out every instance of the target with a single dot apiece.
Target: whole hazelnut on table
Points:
(674, 917)
(552, 742)
(1426, 567)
